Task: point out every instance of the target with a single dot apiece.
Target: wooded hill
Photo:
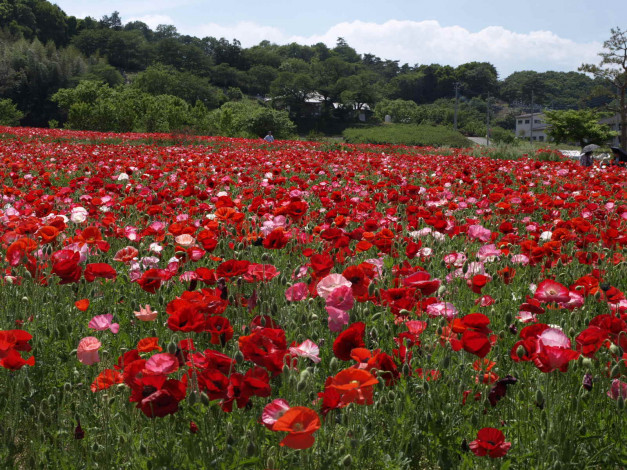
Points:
(43, 50)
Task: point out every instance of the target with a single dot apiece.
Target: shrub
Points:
(9, 114)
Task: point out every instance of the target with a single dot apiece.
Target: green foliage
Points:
(30, 72)
(9, 114)
(401, 111)
(96, 106)
(248, 118)
(406, 134)
(165, 80)
(502, 136)
(577, 126)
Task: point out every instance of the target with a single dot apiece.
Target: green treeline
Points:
(103, 74)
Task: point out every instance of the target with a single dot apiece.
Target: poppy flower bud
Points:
(193, 398)
(251, 449)
(620, 403)
(301, 385)
(615, 350)
(270, 463)
(508, 318)
(539, 398)
(347, 460)
(405, 369)
(172, 347)
(587, 382)
(446, 361)
(239, 357)
(615, 372)
(204, 399)
(520, 352)
(78, 431)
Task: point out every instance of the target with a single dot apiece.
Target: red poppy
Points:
(82, 304)
(352, 337)
(490, 442)
(354, 386)
(300, 422)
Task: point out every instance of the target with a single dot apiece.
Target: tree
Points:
(581, 126)
(613, 69)
(9, 114)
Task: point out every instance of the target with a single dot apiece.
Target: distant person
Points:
(620, 156)
(269, 138)
(586, 159)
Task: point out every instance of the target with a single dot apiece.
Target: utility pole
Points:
(531, 120)
(487, 122)
(457, 86)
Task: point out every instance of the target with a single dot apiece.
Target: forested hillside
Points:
(324, 89)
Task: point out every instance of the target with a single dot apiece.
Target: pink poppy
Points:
(104, 322)
(87, 351)
(330, 283)
(273, 411)
(553, 351)
(162, 364)
(551, 291)
(146, 313)
(617, 389)
(341, 298)
(296, 292)
(478, 232)
(307, 349)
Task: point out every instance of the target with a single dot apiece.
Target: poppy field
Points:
(227, 303)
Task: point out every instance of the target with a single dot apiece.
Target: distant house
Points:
(525, 128)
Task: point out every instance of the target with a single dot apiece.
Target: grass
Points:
(407, 134)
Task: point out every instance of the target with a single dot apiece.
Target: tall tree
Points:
(613, 69)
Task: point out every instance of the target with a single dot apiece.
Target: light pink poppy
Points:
(488, 253)
(126, 254)
(330, 283)
(273, 411)
(341, 298)
(478, 232)
(162, 364)
(188, 276)
(146, 313)
(338, 319)
(442, 309)
(185, 239)
(520, 259)
(104, 322)
(87, 351)
(307, 349)
(296, 292)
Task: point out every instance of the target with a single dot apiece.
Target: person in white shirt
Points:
(269, 137)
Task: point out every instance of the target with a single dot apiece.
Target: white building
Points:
(535, 130)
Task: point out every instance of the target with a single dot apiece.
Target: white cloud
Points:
(428, 42)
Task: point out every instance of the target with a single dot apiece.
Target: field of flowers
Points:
(223, 303)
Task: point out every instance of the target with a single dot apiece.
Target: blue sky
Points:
(527, 35)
